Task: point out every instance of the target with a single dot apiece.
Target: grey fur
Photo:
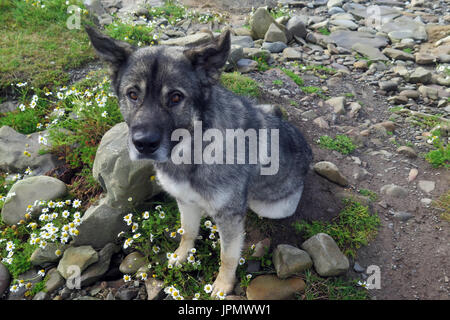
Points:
(224, 191)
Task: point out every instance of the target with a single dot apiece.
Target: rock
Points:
(412, 174)
(296, 26)
(388, 85)
(94, 7)
(260, 22)
(275, 34)
(358, 268)
(54, 280)
(394, 191)
(321, 123)
(96, 270)
(8, 106)
(120, 177)
(270, 287)
(100, 225)
(403, 216)
(420, 75)
(291, 54)
(347, 39)
(412, 94)
(81, 257)
(426, 185)
(331, 172)
(360, 174)
(41, 295)
(154, 288)
(243, 41)
(337, 103)
(369, 51)
(348, 24)
(274, 47)
(383, 13)
(190, 40)
(247, 65)
(236, 54)
(26, 192)
(410, 27)
(132, 262)
(398, 54)
(407, 151)
(361, 64)
(46, 256)
(242, 31)
(429, 92)
(4, 279)
(334, 3)
(327, 257)
(289, 260)
(424, 58)
(261, 248)
(12, 148)
(127, 293)
(30, 276)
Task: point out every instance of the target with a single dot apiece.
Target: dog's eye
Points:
(176, 98)
(132, 95)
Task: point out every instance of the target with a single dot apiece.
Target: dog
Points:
(162, 89)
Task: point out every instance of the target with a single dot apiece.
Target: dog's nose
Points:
(146, 142)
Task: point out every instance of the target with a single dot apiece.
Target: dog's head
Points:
(160, 88)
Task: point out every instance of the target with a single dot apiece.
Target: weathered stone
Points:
(338, 104)
(132, 262)
(347, 39)
(424, 58)
(120, 177)
(4, 279)
(328, 259)
(407, 151)
(274, 47)
(260, 22)
(426, 185)
(289, 260)
(369, 51)
(243, 41)
(275, 34)
(190, 40)
(25, 192)
(270, 287)
(331, 172)
(78, 257)
(12, 156)
(96, 270)
(100, 225)
(394, 191)
(420, 75)
(296, 26)
(398, 54)
(54, 280)
(43, 257)
(291, 54)
(388, 85)
(246, 65)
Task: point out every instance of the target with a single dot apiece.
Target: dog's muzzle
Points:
(146, 143)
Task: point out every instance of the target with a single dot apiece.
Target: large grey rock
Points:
(398, 54)
(394, 191)
(260, 22)
(406, 24)
(120, 177)
(26, 192)
(326, 255)
(296, 26)
(344, 24)
(95, 271)
(289, 260)
(374, 14)
(12, 157)
(47, 255)
(420, 75)
(100, 225)
(275, 34)
(54, 280)
(8, 106)
(191, 40)
(270, 287)
(132, 262)
(4, 279)
(338, 104)
(292, 54)
(76, 257)
(274, 47)
(243, 41)
(330, 171)
(346, 39)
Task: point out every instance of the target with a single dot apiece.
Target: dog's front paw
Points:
(222, 287)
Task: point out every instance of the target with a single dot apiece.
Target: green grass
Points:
(324, 31)
(240, 84)
(354, 227)
(278, 82)
(372, 195)
(318, 288)
(408, 50)
(440, 156)
(36, 46)
(340, 143)
(443, 204)
(296, 78)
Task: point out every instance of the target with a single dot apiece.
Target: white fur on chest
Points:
(183, 190)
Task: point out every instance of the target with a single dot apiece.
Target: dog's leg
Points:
(190, 222)
(231, 232)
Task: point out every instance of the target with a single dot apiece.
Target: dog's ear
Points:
(212, 56)
(111, 50)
